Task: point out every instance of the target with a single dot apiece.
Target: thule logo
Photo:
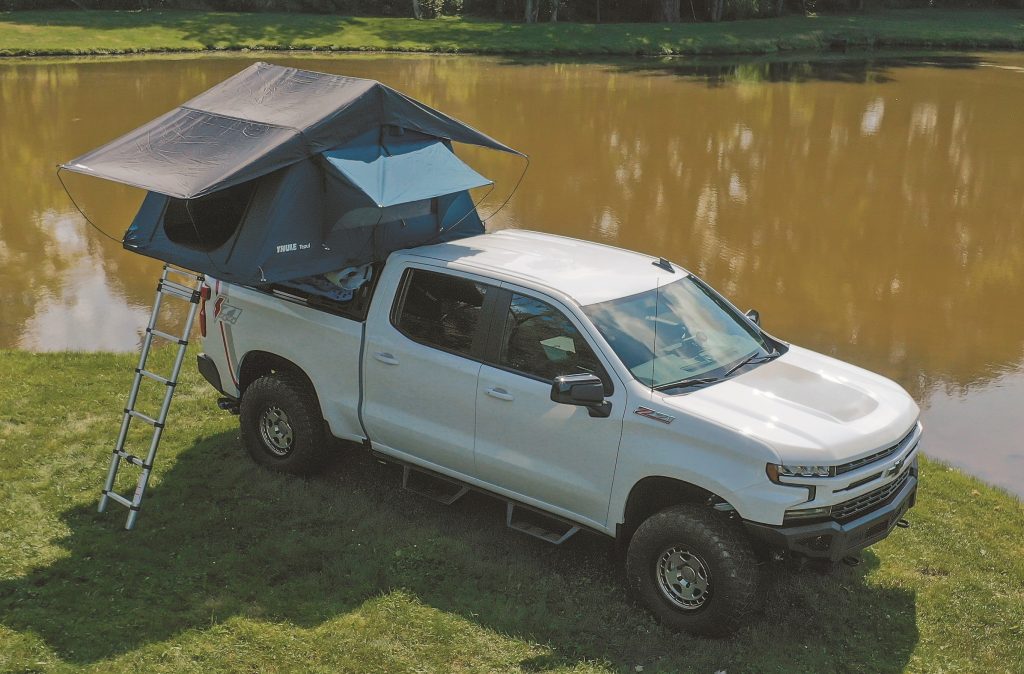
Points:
(291, 247)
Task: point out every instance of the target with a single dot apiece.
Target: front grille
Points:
(855, 507)
(877, 456)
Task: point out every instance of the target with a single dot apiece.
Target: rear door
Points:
(421, 363)
(552, 454)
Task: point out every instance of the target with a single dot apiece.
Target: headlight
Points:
(776, 470)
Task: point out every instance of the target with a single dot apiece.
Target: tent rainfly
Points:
(278, 173)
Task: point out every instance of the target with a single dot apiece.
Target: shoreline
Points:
(115, 33)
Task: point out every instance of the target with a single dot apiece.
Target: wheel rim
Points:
(276, 431)
(683, 578)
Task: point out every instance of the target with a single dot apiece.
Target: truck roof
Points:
(588, 272)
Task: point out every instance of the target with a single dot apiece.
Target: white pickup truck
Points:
(589, 387)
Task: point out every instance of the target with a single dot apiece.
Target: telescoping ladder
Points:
(190, 290)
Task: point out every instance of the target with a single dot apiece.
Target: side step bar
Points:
(441, 489)
(519, 517)
(539, 525)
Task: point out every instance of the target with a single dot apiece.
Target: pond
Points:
(869, 209)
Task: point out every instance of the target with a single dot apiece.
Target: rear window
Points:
(441, 310)
(207, 223)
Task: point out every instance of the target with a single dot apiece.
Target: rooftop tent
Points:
(279, 172)
(398, 172)
(264, 118)
(294, 222)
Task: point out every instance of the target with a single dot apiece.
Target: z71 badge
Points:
(223, 311)
(651, 414)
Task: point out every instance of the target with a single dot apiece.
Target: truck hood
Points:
(807, 407)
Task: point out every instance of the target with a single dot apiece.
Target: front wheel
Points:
(281, 424)
(694, 570)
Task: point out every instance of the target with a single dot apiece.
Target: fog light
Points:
(807, 513)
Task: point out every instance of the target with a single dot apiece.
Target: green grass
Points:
(233, 568)
(106, 32)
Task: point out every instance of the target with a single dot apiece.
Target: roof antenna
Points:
(662, 263)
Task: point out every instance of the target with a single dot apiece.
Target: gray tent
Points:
(277, 173)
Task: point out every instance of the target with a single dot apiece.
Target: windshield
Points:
(677, 333)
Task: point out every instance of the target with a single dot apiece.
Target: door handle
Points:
(500, 393)
(386, 358)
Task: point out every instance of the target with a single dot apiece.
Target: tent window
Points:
(217, 217)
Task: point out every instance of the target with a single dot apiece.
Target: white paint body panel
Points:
(433, 409)
(421, 400)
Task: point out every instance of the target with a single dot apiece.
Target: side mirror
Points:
(583, 390)
(754, 316)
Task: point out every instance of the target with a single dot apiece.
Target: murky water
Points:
(870, 210)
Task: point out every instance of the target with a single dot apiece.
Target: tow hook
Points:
(851, 560)
(229, 404)
(903, 524)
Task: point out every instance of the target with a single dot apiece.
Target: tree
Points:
(532, 9)
(555, 4)
(668, 11)
(417, 11)
(715, 10)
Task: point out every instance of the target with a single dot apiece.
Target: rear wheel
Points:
(694, 570)
(281, 424)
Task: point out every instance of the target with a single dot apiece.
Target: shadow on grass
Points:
(219, 537)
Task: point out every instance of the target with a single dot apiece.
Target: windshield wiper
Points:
(686, 383)
(750, 359)
(700, 381)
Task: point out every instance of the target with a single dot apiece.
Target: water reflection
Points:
(869, 209)
(979, 428)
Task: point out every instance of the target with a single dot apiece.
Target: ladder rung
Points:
(178, 290)
(181, 272)
(149, 420)
(169, 337)
(155, 377)
(114, 496)
(132, 459)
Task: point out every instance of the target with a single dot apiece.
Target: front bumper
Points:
(832, 540)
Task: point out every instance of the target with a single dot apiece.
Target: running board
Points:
(536, 524)
(432, 486)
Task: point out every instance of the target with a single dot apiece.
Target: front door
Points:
(421, 367)
(554, 454)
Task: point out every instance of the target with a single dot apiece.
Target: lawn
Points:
(106, 32)
(232, 568)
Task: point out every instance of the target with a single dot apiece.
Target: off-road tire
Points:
(732, 595)
(309, 450)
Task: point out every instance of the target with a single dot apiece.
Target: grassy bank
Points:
(102, 32)
(236, 569)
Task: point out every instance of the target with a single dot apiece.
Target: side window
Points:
(541, 341)
(440, 310)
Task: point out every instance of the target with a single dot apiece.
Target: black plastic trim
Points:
(208, 369)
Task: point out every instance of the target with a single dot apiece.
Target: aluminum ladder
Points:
(188, 288)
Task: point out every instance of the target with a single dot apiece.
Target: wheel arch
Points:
(255, 364)
(655, 493)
